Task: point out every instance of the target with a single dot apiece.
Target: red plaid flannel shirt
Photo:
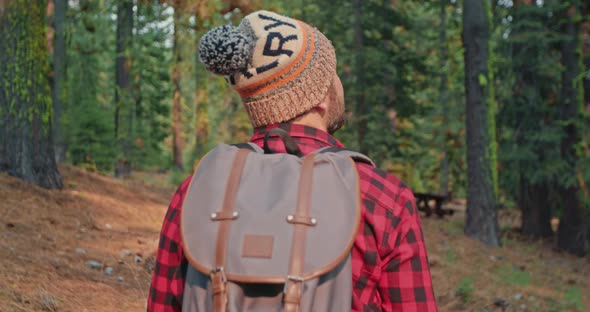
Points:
(389, 261)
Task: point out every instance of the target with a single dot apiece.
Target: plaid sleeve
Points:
(168, 277)
(405, 283)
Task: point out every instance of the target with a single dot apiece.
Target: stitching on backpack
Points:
(332, 161)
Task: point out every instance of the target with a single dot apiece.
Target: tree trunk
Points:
(201, 122)
(532, 197)
(536, 215)
(360, 108)
(26, 114)
(482, 221)
(177, 96)
(586, 53)
(201, 99)
(50, 34)
(58, 76)
(139, 113)
(571, 235)
(443, 90)
(123, 100)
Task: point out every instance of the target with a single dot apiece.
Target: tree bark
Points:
(482, 221)
(26, 114)
(58, 77)
(360, 108)
(571, 235)
(536, 216)
(532, 197)
(123, 101)
(201, 99)
(443, 90)
(177, 96)
(586, 54)
(201, 122)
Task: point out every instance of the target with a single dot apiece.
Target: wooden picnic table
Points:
(423, 204)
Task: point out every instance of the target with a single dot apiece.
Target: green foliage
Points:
(87, 120)
(514, 276)
(530, 70)
(177, 176)
(411, 124)
(398, 88)
(405, 130)
(25, 65)
(454, 227)
(572, 298)
(26, 110)
(152, 61)
(89, 109)
(451, 256)
(465, 289)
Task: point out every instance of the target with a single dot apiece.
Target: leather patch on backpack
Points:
(257, 246)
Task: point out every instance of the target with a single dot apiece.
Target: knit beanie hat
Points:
(280, 66)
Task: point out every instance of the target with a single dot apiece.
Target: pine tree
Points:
(360, 106)
(177, 142)
(529, 104)
(57, 21)
(26, 114)
(201, 96)
(123, 97)
(482, 221)
(571, 235)
(443, 89)
(86, 121)
(152, 60)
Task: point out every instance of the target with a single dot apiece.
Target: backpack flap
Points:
(261, 223)
(356, 156)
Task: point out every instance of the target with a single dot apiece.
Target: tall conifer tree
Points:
(482, 221)
(26, 112)
(124, 107)
(571, 235)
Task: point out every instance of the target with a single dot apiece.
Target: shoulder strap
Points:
(290, 146)
(356, 156)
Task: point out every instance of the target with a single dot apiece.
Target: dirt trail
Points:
(114, 222)
(46, 238)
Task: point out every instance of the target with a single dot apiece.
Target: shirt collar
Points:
(298, 132)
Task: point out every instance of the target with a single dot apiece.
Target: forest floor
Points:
(48, 240)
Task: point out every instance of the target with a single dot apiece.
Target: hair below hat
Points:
(280, 66)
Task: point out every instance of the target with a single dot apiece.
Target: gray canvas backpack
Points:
(271, 232)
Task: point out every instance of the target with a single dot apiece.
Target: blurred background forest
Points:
(115, 86)
(487, 100)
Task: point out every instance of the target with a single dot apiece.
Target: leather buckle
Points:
(218, 270)
(296, 279)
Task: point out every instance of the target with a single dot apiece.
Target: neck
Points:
(313, 120)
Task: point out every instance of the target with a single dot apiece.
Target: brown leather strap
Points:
(294, 286)
(218, 278)
(219, 291)
(302, 219)
(224, 215)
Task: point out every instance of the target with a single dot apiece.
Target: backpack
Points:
(271, 232)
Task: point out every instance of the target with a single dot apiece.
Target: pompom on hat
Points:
(280, 66)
